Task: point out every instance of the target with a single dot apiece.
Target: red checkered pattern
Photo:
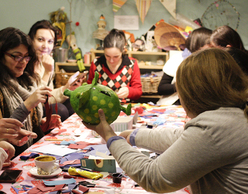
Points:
(121, 80)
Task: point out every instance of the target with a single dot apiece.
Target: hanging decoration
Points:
(220, 13)
(59, 19)
(117, 4)
(170, 5)
(143, 7)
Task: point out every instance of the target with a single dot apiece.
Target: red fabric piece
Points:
(58, 187)
(39, 189)
(45, 126)
(75, 146)
(83, 188)
(70, 162)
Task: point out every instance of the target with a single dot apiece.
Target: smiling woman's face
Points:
(43, 42)
(16, 68)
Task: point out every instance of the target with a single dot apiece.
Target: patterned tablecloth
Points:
(168, 116)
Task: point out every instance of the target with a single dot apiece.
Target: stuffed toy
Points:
(87, 99)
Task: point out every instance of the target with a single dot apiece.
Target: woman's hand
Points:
(22, 137)
(54, 122)
(75, 81)
(48, 63)
(76, 84)
(126, 134)
(9, 127)
(103, 128)
(9, 148)
(40, 95)
(123, 93)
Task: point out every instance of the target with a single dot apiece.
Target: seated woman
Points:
(44, 37)
(116, 70)
(211, 153)
(167, 88)
(20, 97)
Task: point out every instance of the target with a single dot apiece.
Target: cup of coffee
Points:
(46, 165)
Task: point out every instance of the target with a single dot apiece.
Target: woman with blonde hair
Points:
(211, 153)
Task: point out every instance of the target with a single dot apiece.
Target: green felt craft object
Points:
(87, 99)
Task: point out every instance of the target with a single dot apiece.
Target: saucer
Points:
(33, 171)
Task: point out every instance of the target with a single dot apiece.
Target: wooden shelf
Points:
(140, 56)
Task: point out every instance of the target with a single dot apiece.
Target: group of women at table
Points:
(210, 154)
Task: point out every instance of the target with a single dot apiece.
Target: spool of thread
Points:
(87, 58)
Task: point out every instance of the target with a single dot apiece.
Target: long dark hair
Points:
(42, 24)
(11, 38)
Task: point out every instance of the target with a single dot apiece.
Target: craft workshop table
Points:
(168, 116)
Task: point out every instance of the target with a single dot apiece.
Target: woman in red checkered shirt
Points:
(116, 70)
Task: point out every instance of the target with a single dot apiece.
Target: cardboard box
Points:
(102, 165)
(122, 124)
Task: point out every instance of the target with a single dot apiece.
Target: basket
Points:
(150, 84)
(62, 78)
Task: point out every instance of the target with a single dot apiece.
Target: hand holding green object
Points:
(87, 99)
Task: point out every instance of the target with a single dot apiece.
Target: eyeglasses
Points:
(19, 58)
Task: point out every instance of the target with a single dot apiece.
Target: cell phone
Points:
(80, 76)
(10, 176)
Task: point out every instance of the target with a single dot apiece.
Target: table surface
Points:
(167, 116)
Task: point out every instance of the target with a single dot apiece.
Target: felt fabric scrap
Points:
(59, 182)
(67, 142)
(76, 161)
(32, 155)
(40, 188)
(83, 188)
(70, 188)
(76, 146)
(58, 187)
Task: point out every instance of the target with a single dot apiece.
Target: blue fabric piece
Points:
(60, 182)
(132, 137)
(16, 190)
(70, 187)
(159, 121)
(97, 148)
(32, 155)
(67, 142)
(53, 192)
(26, 187)
(114, 138)
(72, 156)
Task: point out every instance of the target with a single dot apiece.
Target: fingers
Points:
(101, 115)
(24, 132)
(12, 123)
(48, 62)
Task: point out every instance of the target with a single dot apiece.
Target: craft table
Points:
(168, 116)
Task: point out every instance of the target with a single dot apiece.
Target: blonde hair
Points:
(210, 79)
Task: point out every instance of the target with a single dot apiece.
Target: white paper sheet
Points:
(57, 150)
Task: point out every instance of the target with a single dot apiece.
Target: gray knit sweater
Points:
(210, 155)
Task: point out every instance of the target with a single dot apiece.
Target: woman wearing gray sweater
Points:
(211, 153)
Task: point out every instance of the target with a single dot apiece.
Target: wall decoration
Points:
(117, 4)
(220, 13)
(170, 5)
(143, 7)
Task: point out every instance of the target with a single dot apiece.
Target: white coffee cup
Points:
(46, 165)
